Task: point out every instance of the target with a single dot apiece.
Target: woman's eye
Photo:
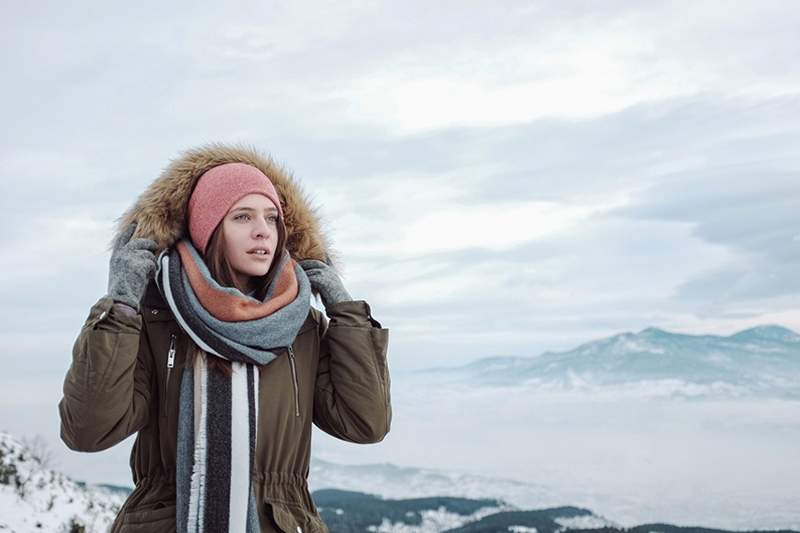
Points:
(271, 218)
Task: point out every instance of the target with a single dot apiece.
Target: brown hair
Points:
(221, 270)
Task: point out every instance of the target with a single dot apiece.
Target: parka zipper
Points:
(294, 381)
(170, 366)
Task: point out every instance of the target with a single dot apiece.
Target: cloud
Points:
(751, 210)
(565, 160)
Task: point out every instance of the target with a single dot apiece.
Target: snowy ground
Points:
(35, 498)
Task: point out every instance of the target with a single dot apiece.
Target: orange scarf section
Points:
(230, 308)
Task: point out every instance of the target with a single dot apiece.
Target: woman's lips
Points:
(259, 256)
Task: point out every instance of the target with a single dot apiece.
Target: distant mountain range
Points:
(35, 498)
(763, 360)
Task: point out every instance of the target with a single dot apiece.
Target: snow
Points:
(36, 498)
(434, 520)
(583, 522)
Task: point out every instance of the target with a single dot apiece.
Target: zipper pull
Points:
(294, 382)
(171, 353)
(170, 365)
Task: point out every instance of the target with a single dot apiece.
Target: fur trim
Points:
(160, 211)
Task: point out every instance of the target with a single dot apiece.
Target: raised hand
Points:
(325, 281)
(132, 264)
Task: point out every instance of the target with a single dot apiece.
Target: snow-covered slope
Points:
(763, 361)
(36, 498)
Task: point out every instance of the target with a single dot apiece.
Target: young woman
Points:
(206, 345)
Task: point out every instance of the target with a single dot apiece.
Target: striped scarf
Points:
(217, 421)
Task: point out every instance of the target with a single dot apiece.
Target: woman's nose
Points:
(261, 228)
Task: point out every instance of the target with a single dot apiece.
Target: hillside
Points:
(33, 497)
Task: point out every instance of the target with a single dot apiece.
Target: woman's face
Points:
(250, 224)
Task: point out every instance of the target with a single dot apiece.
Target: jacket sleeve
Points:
(107, 387)
(352, 398)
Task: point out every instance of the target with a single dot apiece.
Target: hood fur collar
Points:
(160, 211)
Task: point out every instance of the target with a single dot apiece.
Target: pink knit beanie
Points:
(217, 190)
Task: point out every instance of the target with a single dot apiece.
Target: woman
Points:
(206, 345)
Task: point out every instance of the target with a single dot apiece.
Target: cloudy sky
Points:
(499, 178)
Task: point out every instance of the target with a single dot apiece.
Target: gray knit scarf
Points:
(218, 414)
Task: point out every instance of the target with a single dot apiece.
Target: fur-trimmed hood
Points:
(160, 211)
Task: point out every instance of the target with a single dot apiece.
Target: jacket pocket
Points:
(158, 517)
(293, 518)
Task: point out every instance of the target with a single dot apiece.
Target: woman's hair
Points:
(221, 270)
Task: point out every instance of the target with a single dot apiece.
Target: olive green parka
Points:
(126, 369)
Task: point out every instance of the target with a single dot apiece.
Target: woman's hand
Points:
(325, 281)
(132, 264)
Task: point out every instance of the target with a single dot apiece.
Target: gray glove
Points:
(325, 281)
(132, 264)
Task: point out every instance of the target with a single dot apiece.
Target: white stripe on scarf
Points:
(196, 496)
(240, 450)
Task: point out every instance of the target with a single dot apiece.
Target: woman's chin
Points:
(256, 263)
(253, 270)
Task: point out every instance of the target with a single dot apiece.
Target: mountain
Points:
(34, 497)
(763, 360)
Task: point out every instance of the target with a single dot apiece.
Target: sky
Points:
(498, 178)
